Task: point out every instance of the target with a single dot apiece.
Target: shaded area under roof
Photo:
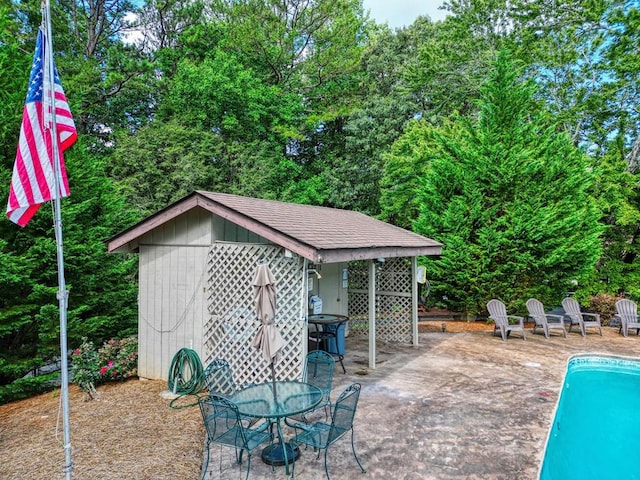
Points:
(320, 234)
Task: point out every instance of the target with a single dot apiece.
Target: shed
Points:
(196, 263)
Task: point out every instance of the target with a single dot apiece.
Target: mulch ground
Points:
(128, 432)
(433, 319)
(454, 326)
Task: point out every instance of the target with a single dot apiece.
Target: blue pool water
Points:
(596, 430)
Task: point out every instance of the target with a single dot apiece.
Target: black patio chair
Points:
(322, 435)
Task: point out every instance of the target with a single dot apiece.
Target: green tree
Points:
(405, 166)
(271, 82)
(163, 162)
(102, 287)
(221, 94)
(384, 108)
(511, 199)
(102, 300)
(585, 61)
(15, 60)
(311, 52)
(618, 269)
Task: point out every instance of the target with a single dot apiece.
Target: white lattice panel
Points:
(232, 321)
(393, 300)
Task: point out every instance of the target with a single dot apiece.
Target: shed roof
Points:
(320, 234)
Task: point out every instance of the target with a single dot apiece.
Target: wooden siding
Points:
(335, 297)
(172, 305)
(230, 232)
(191, 228)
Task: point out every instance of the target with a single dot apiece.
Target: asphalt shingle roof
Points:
(322, 227)
(320, 234)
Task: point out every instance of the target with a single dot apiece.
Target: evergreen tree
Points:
(404, 169)
(618, 269)
(102, 286)
(511, 200)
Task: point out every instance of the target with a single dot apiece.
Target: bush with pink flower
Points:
(117, 359)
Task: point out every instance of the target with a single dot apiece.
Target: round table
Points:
(275, 401)
(330, 324)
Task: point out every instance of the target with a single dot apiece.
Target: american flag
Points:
(34, 173)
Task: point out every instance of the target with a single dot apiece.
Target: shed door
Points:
(232, 322)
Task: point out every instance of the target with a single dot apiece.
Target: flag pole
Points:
(62, 295)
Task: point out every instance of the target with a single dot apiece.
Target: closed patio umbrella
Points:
(268, 339)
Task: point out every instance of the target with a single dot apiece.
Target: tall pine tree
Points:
(510, 197)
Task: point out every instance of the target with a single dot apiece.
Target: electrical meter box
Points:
(315, 305)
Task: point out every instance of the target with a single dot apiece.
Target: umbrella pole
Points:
(273, 381)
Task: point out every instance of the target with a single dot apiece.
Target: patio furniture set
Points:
(245, 417)
(626, 314)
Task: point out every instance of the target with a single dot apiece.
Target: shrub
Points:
(605, 305)
(119, 359)
(115, 360)
(84, 368)
(27, 387)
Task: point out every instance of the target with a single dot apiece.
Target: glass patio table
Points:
(289, 398)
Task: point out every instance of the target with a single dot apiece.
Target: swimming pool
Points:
(595, 434)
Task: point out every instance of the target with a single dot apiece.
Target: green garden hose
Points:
(186, 373)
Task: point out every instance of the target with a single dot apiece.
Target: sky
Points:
(401, 13)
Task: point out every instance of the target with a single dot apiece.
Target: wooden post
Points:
(414, 301)
(372, 314)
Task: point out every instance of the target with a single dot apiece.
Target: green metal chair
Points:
(319, 367)
(219, 379)
(223, 425)
(322, 435)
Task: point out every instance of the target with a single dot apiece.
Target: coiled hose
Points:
(186, 374)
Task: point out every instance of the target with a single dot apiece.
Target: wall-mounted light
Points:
(314, 271)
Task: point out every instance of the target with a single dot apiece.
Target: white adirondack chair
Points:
(577, 317)
(498, 313)
(627, 312)
(546, 321)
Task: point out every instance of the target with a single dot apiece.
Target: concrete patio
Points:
(459, 406)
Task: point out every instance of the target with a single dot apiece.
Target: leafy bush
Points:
(115, 360)
(85, 368)
(27, 387)
(605, 305)
(119, 359)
